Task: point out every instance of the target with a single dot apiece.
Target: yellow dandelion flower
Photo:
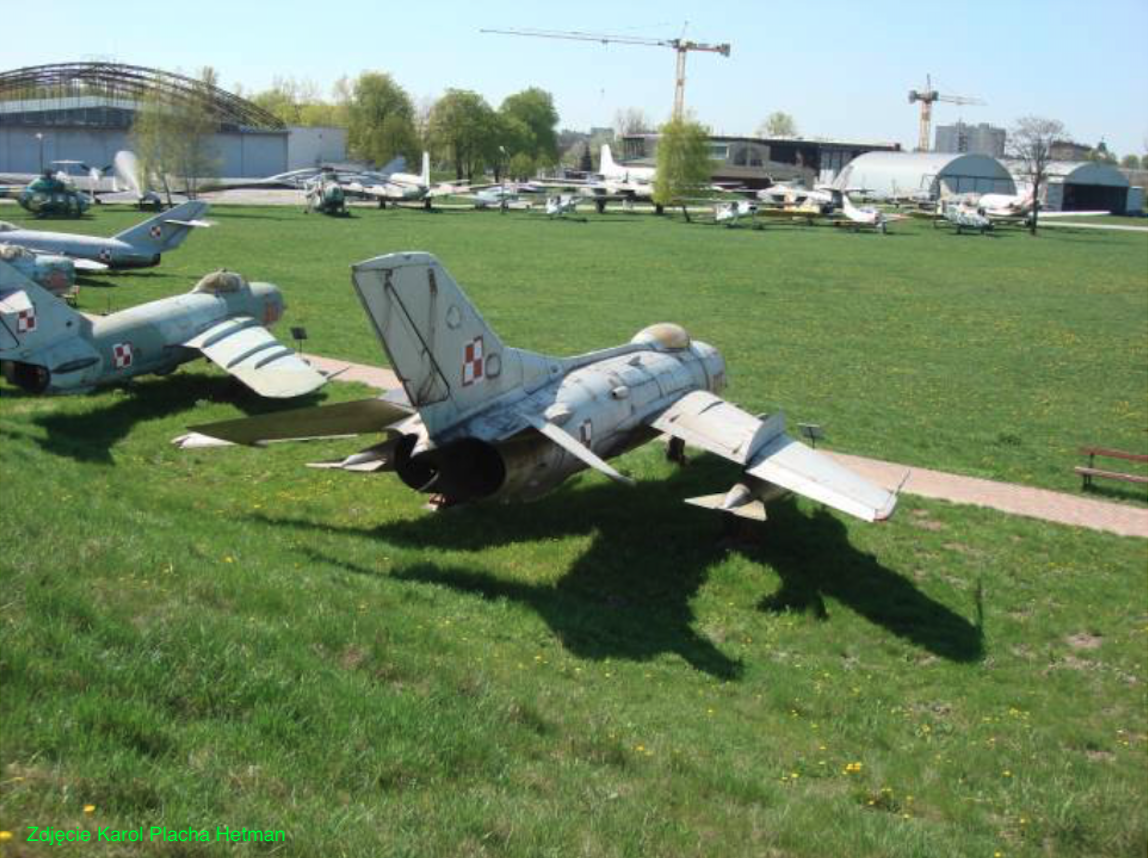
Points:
(5, 835)
(89, 808)
(1007, 773)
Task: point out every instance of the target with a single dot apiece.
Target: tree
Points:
(173, 139)
(1130, 162)
(1030, 142)
(299, 103)
(778, 124)
(683, 162)
(521, 167)
(632, 120)
(463, 128)
(586, 162)
(534, 109)
(381, 120)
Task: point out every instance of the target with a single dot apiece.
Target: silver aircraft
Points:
(484, 421)
(47, 347)
(140, 246)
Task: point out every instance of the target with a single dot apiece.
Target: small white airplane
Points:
(1020, 207)
(867, 215)
(962, 215)
(733, 211)
(560, 205)
(796, 193)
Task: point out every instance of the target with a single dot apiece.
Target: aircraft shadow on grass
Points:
(89, 436)
(628, 595)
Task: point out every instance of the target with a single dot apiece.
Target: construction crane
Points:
(682, 46)
(927, 96)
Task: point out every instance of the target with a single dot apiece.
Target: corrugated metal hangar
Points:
(84, 112)
(889, 174)
(1075, 186)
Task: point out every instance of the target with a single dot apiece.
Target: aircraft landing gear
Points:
(676, 452)
(601, 206)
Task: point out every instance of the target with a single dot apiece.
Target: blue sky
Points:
(843, 69)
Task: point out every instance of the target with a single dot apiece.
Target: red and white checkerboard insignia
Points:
(26, 321)
(122, 355)
(156, 231)
(105, 255)
(472, 362)
(586, 432)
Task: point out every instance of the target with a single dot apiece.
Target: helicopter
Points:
(50, 196)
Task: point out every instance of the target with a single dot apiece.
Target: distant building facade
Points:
(982, 139)
(758, 162)
(85, 111)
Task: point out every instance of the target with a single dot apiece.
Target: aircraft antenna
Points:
(681, 45)
(927, 96)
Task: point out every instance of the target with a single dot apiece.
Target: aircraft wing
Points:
(341, 420)
(762, 447)
(248, 351)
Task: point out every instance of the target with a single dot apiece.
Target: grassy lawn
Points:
(224, 637)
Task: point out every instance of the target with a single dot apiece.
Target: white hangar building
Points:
(936, 173)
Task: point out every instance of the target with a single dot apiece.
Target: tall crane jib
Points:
(680, 46)
(926, 97)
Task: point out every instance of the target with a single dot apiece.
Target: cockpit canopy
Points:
(221, 281)
(9, 252)
(664, 335)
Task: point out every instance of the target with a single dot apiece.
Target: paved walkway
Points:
(1058, 507)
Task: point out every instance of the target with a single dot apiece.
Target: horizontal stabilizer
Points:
(577, 449)
(193, 223)
(754, 510)
(380, 457)
(196, 441)
(248, 351)
(791, 465)
(341, 420)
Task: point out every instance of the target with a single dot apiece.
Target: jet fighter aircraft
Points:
(47, 347)
(485, 421)
(57, 274)
(138, 247)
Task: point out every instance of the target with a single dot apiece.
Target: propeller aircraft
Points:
(482, 421)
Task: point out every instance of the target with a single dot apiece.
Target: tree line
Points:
(460, 128)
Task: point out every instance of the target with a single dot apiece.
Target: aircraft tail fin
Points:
(450, 362)
(606, 162)
(31, 317)
(426, 170)
(165, 231)
(395, 165)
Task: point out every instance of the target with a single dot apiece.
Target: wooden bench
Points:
(1087, 473)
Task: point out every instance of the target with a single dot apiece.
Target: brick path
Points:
(1014, 499)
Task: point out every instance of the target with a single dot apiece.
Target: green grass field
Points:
(224, 637)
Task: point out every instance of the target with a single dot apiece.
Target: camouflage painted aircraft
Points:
(50, 196)
(325, 195)
(47, 347)
(138, 247)
(484, 421)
